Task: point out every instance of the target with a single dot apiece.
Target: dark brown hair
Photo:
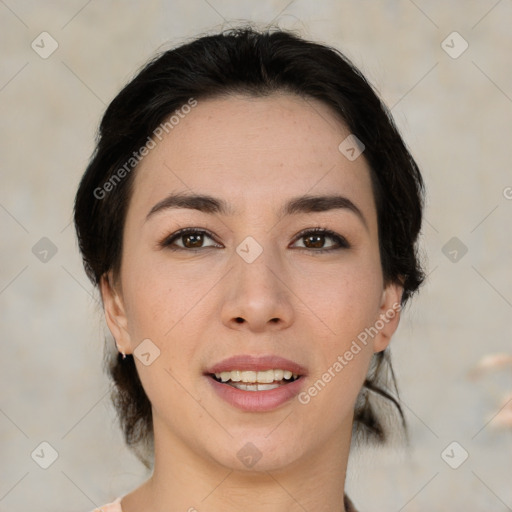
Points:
(248, 61)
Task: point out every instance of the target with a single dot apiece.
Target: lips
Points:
(254, 397)
(256, 363)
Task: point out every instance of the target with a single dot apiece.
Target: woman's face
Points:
(253, 282)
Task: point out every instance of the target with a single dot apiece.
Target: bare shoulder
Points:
(115, 506)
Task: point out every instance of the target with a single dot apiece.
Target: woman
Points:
(250, 217)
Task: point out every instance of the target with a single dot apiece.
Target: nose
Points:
(257, 295)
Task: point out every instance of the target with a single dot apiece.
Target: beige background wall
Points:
(455, 114)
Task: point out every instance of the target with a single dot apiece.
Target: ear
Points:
(389, 316)
(115, 314)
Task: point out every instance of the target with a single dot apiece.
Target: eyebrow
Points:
(296, 205)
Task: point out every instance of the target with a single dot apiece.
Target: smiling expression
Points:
(249, 235)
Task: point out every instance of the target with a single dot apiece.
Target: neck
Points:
(186, 480)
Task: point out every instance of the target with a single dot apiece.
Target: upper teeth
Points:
(251, 376)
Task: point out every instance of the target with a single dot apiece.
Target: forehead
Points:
(253, 151)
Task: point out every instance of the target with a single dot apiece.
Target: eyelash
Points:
(341, 241)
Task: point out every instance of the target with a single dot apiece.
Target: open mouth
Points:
(256, 380)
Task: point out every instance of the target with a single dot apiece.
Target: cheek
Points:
(167, 307)
(345, 302)
(342, 357)
(344, 296)
(160, 299)
(163, 305)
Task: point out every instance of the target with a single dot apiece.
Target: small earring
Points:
(120, 351)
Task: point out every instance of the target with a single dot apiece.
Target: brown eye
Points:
(316, 240)
(192, 239)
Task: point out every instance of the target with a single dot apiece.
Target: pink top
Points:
(115, 506)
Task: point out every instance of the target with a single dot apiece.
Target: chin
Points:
(253, 451)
